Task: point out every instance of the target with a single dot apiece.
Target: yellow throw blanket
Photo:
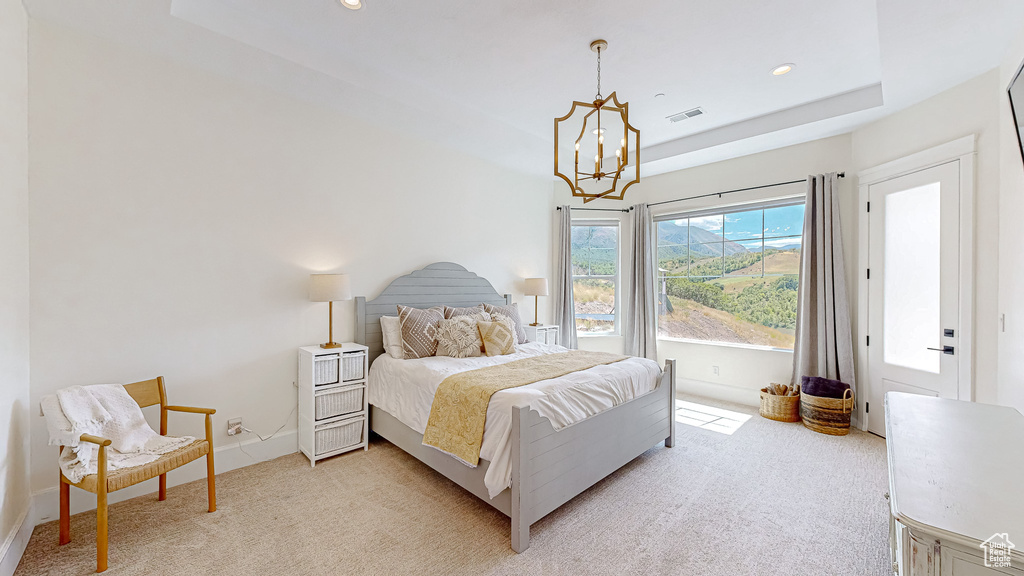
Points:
(459, 410)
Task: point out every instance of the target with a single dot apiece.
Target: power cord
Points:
(262, 439)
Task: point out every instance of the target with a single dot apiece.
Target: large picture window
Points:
(595, 267)
(731, 275)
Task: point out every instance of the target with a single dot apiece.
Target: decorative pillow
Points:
(512, 312)
(391, 329)
(419, 330)
(499, 337)
(450, 312)
(459, 338)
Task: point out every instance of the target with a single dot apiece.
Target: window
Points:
(595, 266)
(731, 275)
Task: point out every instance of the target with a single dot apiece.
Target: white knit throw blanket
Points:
(107, 411)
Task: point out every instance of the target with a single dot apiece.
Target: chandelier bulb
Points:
(577, 146)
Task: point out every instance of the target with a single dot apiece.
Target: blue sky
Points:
(779, 225)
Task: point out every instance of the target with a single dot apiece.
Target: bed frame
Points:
(549, 468)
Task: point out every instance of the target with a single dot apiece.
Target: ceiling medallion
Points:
(582, 133)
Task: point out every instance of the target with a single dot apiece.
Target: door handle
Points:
(944, 350)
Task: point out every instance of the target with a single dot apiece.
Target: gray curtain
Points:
(824, 345)
(565, 316)
(641, 301)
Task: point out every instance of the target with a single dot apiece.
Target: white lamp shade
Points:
(536, 287)
(329, 287)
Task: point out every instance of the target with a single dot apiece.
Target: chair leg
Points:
(65, 512)
(101, 530)
(163, 487)
(211, 488)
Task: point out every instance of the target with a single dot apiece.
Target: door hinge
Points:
(867, 408)
(867, 340)
(869, 206)
(869, 273)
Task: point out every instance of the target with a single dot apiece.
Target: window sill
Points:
(725, 344)
(595, 334)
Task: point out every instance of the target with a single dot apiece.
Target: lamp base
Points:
(330, 345)
(534, 323)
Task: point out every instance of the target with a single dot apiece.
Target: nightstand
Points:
(545, 334)
(333, 411)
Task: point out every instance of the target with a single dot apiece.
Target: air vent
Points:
(686, 115)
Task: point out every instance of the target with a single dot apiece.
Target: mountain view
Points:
(731, 277)
(723, 278)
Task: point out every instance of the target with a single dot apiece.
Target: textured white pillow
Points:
(391, 328)
(458, 337)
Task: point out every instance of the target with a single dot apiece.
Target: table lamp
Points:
(536, 287)
(329, 288)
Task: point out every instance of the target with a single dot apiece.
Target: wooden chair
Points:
(146, 393)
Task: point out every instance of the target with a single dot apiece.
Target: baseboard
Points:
(724, 392)
(15, 543)
(46, 503)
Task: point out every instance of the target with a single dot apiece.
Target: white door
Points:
(913, 287)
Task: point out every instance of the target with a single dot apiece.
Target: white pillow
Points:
(391, 328)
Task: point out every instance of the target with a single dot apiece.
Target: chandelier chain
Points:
(598, 72)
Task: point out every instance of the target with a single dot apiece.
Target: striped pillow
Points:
(450, 312)
(512, 313)
(419, 330)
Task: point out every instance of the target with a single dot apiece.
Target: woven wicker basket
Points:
(780, 408)
(827, 415)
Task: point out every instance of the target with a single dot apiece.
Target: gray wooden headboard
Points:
(439, 284)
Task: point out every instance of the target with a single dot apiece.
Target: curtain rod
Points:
(596, 209)
(719, 194)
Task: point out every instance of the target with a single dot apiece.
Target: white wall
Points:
(970, 108)
(176, 215)
(1011, 257)
(742, 370)
(14, 281)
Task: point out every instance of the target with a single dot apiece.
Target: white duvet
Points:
(405, 389)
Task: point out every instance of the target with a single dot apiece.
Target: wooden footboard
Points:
(550, 468)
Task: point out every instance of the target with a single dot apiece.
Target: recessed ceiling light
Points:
(783, 69)
(352, 4)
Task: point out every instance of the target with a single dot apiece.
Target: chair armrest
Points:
(190, 409)
(94, 439)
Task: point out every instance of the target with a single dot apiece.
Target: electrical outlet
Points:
(234, 426)
(715, 370)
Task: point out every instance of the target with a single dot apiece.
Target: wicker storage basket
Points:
(780, 408)
(352, 366)
(338, 435)
(325, 370)
(827, 415)
(337, 402)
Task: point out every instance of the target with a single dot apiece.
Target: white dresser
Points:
(542, 333)
(956, 487)
(332, 400)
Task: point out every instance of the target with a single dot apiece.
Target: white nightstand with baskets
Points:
(542, 333)
(333, 411)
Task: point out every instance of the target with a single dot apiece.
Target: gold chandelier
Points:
(584, 131)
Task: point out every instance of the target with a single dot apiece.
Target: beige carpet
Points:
(772, 498)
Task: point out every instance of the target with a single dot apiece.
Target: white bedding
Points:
(405, 389)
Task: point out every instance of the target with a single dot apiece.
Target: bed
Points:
(545, 467)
